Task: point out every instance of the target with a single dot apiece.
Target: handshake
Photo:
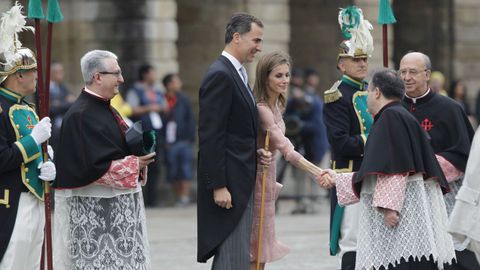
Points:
(326, 179)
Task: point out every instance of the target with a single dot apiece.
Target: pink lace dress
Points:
(272, 249)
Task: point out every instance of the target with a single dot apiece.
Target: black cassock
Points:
(451, 136)
(91, 137)
(398, 145)
(447, 124)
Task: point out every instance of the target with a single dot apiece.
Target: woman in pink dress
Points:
(271, 86)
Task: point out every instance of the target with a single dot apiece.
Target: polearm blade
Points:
(385, 17)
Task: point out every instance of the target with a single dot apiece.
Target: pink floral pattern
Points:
(390, 191)
(451, 173)
(122, 174)
(272, 249)
(345, 194)
(274, 123)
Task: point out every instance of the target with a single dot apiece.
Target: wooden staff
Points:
(46, 106)
(54, 15)
(43, 112)
(385, 45)
(262, 204)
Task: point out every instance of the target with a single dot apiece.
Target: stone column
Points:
(466, 62)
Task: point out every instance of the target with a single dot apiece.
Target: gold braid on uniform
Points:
(332, 94)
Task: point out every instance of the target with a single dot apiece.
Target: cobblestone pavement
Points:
(172, 234)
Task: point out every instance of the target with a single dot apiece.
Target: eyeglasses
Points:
(412, 72)
(116, 73)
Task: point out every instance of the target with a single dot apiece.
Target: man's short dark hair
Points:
(240, 23)
(389, 83)
(167, 79)
(143, 70)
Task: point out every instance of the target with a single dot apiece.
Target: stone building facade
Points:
(187, 35)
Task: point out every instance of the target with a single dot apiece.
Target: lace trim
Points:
(101, 233)
(421, 231)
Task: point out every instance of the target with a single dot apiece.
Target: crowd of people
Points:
(402, 176)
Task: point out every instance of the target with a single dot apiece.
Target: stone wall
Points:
(187, 35)
(202, 34)
(138, 31)
(316, 35)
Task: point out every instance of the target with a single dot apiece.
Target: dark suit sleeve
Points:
(215, 102)
(337, 120)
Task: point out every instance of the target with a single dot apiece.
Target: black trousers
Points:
(348, 260)
(466, 260)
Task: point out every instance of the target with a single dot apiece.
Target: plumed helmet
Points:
(23, 59)
(355, 29)
(13, 57)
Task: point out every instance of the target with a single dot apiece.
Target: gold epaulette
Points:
(332, 94)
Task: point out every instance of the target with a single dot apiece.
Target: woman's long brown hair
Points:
(266, 64)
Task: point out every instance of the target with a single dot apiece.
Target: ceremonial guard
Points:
(22, 169)
(348, 124)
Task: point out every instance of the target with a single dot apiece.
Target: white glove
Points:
(47, 171)
(42, 130)
(50, 152)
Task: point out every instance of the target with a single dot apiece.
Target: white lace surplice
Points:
(421, 231)
(103, 225)
(101, 233)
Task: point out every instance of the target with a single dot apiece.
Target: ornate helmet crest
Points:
(356, 31)
(12, 56)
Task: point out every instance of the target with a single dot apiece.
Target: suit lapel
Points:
(242, 88)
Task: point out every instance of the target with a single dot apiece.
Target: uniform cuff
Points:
(28, 147)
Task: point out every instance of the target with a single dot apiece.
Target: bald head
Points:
(415, 69)
(421, 56)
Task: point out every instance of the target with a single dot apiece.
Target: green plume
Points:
(350, 19)
(54, 14)
(385, 13)
(35, 10)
